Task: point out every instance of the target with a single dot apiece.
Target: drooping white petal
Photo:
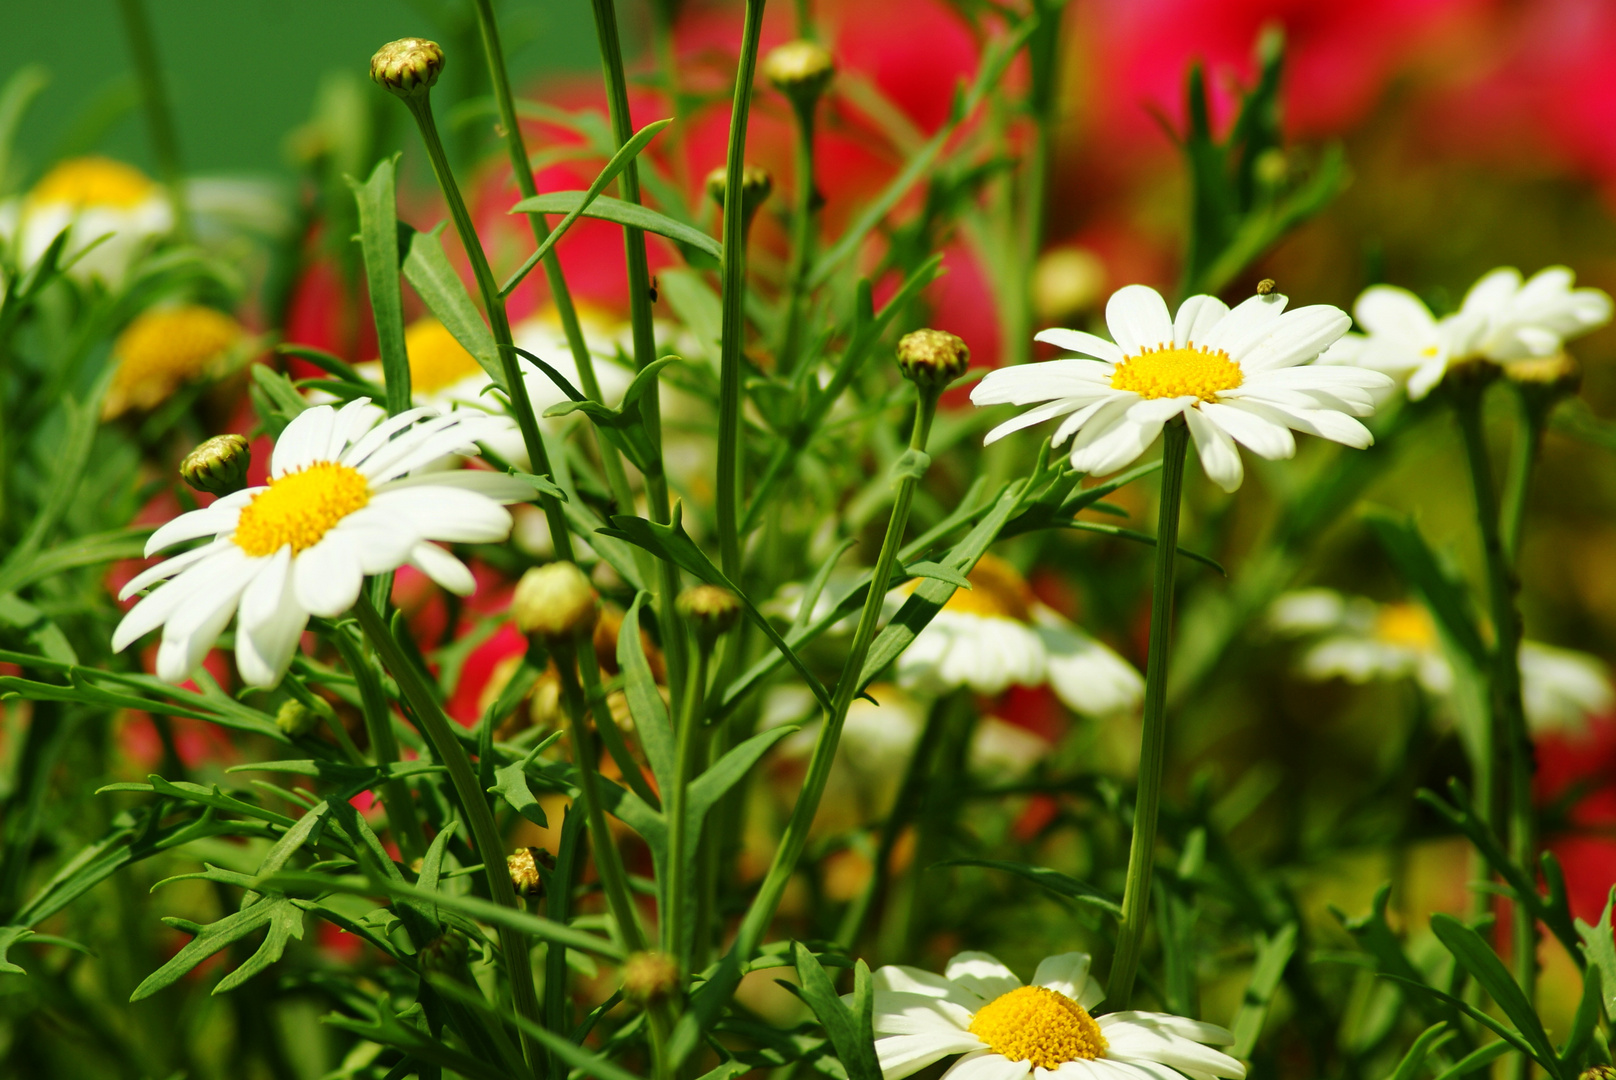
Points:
(210, 601)
(1138, 319)
(1081, 342)
(1219, 459)
(269, 623)
(501, 487)
(1263, 437)
(1088, 677)
(379, 436)
(1158, 1037)
(1090, 415)
(1046, 381)
(1047, 411)
(443, 568)
(448, 514)
(208, 521)
(901, 1055)
(982, 973)
(169, 568)
(1119, 446)
(327, 577)
(351, 422)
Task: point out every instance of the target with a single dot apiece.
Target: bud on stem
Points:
(407, 68)
(218, 466)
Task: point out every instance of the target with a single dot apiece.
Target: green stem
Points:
(665, 587)
(159, 115)
(374, 707)
(795, 837)
(1522, 460)
(435, 725)
(733, 281)
(1153, 741)
(608, 861)
(1512, 762)
(674, 931)
(802, 238)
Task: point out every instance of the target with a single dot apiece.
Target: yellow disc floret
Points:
(163, 348)
(1170, 372)
(1408, 625)
(997, 591)
(1039, 1025)
(300, 508)
(93, 181)
(437, 360)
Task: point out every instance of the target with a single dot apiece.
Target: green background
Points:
(243, 73)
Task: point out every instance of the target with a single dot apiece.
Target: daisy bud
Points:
(295, 719)
(218, 466)
(524, 866)
(407, 68)
(553, 602)
(711, 610)
(801, 70)
(931, 359)
(649, 976)
(445, 954)
(1598, 1072)
(756, 184)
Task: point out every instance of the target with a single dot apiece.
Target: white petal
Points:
(304, 441)
(982, 973)
(1065, 973)
(901, 1055)
(1138, 319)
(501, 487)
(916, 1014)
(270, 623)
(1246, 323)
(443, 568)
(900, 978)
(1047, 411)
(327, 577)
(1089, 678)
(1387, 311)
(1492, 292)
(1046, 381)
(1219, 459)
(169, 568)
(209, 521)
(378, 436)
(1196, 318)
(1119, 401)
(986, 1065)
(1296, 337)
(1119, 446)
(1424, 380)
(1081, 342)
(350, 424)
(449, 514)
(1263, 437)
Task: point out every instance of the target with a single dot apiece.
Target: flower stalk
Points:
(159, 113)
(1153, 740)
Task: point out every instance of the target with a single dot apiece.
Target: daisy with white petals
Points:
(1503, 319)
(1241, 375)
(1004, 1031)
(343, 500)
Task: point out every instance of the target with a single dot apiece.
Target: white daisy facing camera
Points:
(1236, 375)
(1005, 1031)
(344, 499)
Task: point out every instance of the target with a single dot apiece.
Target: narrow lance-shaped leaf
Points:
(378, 240)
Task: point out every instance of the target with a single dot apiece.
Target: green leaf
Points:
(1583, 1023)
(1424, 1046)
(279, 397)
(672, 543)
(629, 214)
(282, 917)
(625, 154)
(1503, 1031)
(937, 572)
(855, 1050)
(1375, 936)
(590, 1064)
(542, 484)
(510, 783)
(1273, 953)
(1474, 955)
(16, 96)
(1442, 592)
(71, 456)
(645, 703)
(9, 936)
(433, 277)
(1476, 1059)
(1597, 947)
(1056, 882)
(712, 785)
(378, 240)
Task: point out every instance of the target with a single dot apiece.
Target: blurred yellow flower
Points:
(164, 348)
(94, 197)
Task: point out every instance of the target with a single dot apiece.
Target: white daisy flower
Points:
(345, 498)
(979, 1009)
(1362, 641)
(996, 635)
(1242, 375)
(1502, 319)
(94, 197)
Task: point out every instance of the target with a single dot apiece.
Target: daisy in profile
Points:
(996, 634)
(1362, 641)
(1243, 375)
(1003, 1030)
(94, 197)
(1503, 319)
(344, 500)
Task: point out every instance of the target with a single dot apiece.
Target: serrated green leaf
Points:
(280, 915)
(856, 1054)
(1598, 948)
(510, 783)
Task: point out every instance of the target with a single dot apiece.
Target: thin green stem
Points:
(733, 295)
(1512, 762)
(608, 861)
(690, 743)
(803, 217)
(665, 586)
(374, 707)
(159, 113)
(1153, 741)
(795, 838)
(1522, 460)
(436, 726)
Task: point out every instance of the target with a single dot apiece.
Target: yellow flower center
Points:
(161, 349)
(1170, 372)
(437, 360)
(300, 508)
(997, 591)
(1039, 1025)
(1405, 624)
(93, 181)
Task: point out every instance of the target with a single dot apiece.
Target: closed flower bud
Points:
(408, 67)
(649, 977)
(801, 70)
(445, 954)
(218, 466)
(931, 359)
(295, 719)
(525, 867)
(1598, 1072)
(711, 610)
(554, 602)
(756, 184)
